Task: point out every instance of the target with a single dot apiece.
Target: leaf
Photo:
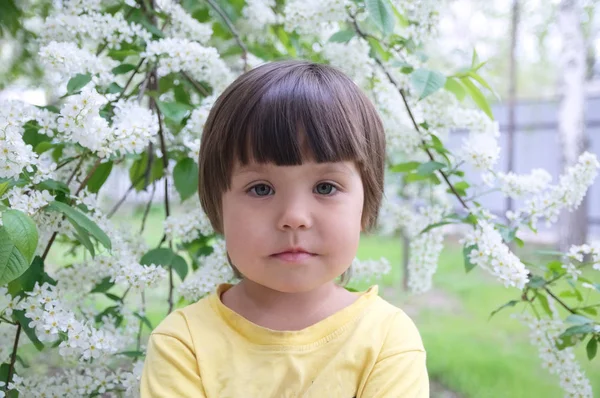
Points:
(78, 218)
(511, 303)
(578, 329)
(145, 320)
(103, 286)
(405, 167)
(428, 168)
(12, 262)
(123, 68)
(477, 97)
(131, 354)
(436, 225)
(455, 87)
(466, 251)
(138, 170)
(19, 316)
(185, 176)
(544, 303)
(166, 258)
(175, 111)
(578, 319)
(475, 76)
(84, 238)
(426, 82)
(343, 36)
(590, 310)
(382, 14)
(34, 274)
(99, 177)
(592, 348)
(536, 282)
(78, 82)
(22, 232)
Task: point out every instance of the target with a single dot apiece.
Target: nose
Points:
(294, 214)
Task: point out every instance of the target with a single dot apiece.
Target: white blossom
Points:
(201, 63)
(259, 14)
(214, 269)
(492, 254)
(182, 25)
(65, 60)
(517, 186)
(306, 16)
(368, 270)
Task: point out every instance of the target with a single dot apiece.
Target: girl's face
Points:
(272, 211)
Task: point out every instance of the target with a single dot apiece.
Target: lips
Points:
(294, 255)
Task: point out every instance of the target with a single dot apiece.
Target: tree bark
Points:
(573, 226)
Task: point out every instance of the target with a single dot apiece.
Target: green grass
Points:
(467, 352)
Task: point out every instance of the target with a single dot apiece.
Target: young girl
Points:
(291, 171)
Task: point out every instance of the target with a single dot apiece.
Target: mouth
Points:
(293, 255)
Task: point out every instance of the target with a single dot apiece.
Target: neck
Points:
(286, 311)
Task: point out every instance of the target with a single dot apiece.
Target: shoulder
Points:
(398, 330)
(181, 323)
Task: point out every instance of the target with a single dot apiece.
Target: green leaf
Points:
(592, 347)
(382, 14)
(103, 286)
(34, 274)
(590, 310)
(19, 316)
(53, 186)
(511, 303)
(166, 258)
(78, 218)
(536, 282)
(466, 252)
(429, 167)
(99, 177)
(84, 238)
(12, 262)
(475, 76)
(578, 329)
(185, 176)
(22, 232)
(114, 88)
(78, 82)
(544, 303)
(131, 354)
(477, 97)
(405, 167)
(123, 68)
(175, 111)
(436, 225)
(138, 170)
(426, 82)
(144, 320)
(455, 87)
(578, 319)
(343, 36)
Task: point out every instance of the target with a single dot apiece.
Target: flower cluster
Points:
(490, 253)
(81, 381)
(182, 25)
(64, 60)
(306, 17)
(80, 120)
(181, 55)
(133, 127)
(28, 200)
(568, 193)
(424, 17)
(369, 270)
(214, 269)
(189, 224)
(15, 154)
(516, 186)
(258, 14)
(94, 26)
(544, 334)
(577, 253)
(351, 57)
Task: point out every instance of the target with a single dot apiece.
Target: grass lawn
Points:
(467, 353)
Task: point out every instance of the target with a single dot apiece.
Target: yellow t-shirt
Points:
(369, 349)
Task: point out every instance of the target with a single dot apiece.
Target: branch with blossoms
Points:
(135, 83)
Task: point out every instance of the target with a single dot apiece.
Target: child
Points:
(291, 171)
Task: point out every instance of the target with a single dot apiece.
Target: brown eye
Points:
(261, 190)
(325, 188)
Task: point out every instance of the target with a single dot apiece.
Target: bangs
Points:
(301, 116)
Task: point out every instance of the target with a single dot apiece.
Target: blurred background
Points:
(530, 65)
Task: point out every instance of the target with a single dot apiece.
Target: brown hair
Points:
(269, 113)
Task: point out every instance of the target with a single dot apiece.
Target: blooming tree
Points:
(134, 82)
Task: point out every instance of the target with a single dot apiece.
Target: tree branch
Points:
(234, 32)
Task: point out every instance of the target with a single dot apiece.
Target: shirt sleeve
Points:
(170, 369)
(400, 369)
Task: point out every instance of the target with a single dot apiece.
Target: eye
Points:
(325, 188)
(260, 190)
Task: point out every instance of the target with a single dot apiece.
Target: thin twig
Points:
(234, 32)
(560, 301)
(197, 86)
(135, 71)
(13, 357)
(147, 210)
